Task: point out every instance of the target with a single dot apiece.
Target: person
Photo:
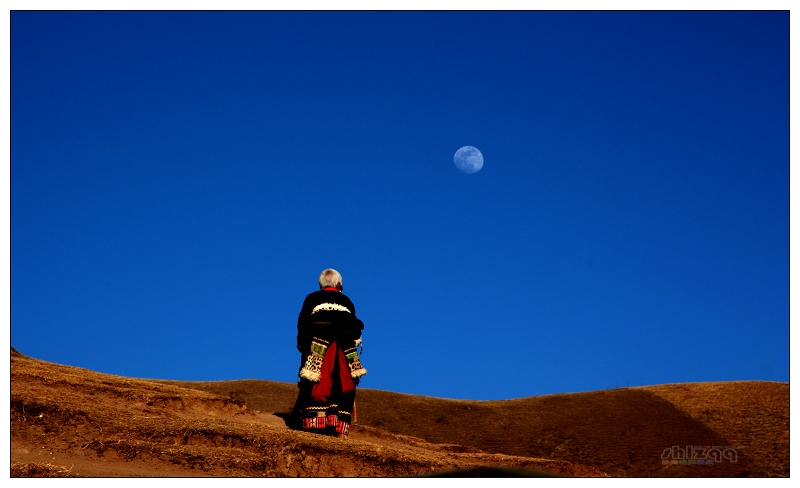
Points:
(328, 334)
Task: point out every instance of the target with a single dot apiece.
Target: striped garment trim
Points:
(330, 307)
(325, 421)
(343, 428)
(321, 409)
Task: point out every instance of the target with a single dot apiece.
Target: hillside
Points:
(68, 421)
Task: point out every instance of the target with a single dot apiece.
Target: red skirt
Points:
(328, 403)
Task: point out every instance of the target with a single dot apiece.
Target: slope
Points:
(68, 421)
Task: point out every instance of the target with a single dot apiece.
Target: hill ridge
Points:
(235, 428)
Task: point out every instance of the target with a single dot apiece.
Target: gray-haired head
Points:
(329, 278)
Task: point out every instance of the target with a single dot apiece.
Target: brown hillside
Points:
(68, 421)
(73, 422)
(622, 432)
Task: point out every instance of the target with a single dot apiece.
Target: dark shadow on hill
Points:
(623, 432)
(288, 419)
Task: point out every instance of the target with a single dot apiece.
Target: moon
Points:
(468, 160)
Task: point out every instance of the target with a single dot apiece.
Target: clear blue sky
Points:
(179, 179)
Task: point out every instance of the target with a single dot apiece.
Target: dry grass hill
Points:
(68, 421)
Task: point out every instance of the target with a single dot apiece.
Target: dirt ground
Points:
(73, 422)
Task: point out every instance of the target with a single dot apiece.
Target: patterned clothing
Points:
(327, 331)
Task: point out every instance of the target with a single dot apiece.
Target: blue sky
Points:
(179, 179)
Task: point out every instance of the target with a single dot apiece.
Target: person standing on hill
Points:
(328, 333)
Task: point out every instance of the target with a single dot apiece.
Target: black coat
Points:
(328, 315)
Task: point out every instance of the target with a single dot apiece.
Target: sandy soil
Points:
(68, 421)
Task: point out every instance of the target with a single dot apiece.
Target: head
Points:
(330, 278)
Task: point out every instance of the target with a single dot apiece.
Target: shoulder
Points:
(324, 296)
(312, 299)
(313, 295)
(344, 298)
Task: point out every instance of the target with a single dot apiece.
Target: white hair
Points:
(329, 278)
